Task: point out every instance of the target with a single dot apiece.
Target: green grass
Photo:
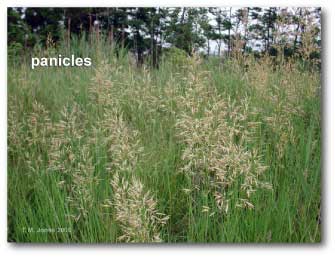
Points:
(39, 193)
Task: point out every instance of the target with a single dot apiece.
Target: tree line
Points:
(146, 32)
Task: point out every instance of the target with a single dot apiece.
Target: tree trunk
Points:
(139, 49)
(219, 24)
(68, 31)
(229, 35)
(111, 34)
(152, 40)
(297, 32)
(183, 16)
(208, 47)
(90, 23)
(246, 31)
(122, 36)
(268, 38)
(90, 27)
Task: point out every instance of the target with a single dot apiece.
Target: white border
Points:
(328, 148)
(170, 3)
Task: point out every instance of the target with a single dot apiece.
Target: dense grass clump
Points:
(200, 151)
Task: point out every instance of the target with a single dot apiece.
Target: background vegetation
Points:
(147, 31)
(221, 148)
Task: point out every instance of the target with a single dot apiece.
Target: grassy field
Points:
(198, 150)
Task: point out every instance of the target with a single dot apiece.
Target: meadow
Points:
(200, 150)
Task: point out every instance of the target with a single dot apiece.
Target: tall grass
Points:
(195, 151)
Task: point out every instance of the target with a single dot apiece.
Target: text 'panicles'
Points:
(60, 61)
